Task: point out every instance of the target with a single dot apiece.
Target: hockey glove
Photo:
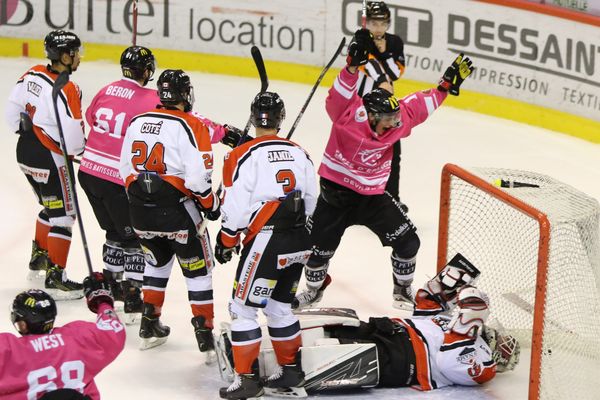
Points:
(455, 75)
(96, 291)
(232, 136)
(213, 213)
(358, 49)
(224, 254)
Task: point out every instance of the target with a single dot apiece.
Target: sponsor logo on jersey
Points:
(151, 128)
(34, 88)
(285, 260)
(371, 156)
(466, 355)
(261, 290)
(279, 155)
(148, 255)
(398, 232)
(248, 275)
(179, 236)
(192, 264)
(361, 114)
(38, 175)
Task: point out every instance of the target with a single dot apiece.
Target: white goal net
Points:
(538, 248)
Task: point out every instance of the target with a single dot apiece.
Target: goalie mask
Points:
(135, 61)
(268, 111)
(506, 350)
(37, 309)
(174, 87)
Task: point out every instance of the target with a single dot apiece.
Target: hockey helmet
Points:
(378, 10)
(58, 42)
(36, 308)
(268, 110)
(383, 106)
(174, 87)
(135, 60)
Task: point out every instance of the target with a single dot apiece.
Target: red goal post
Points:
(533, 243)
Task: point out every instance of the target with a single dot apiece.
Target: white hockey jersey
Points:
(256, 175)
(176, 146)
(446, 358)
(33, 95)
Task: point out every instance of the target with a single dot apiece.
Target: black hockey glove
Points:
(232, 136)
(214, 213)
(455, 75)
(358, 49)
(96, 291)
(224, 254)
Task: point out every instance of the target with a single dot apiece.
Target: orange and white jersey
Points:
(174, 145)
(256, 175)
(444, 357)
(33, 95)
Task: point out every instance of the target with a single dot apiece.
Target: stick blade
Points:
(59, 84)
(260, 66)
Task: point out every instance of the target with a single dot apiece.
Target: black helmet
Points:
(36, 308)
(174, 87)
(378, 10)
(135, 60)
(268, 110)
(58, 42)
(380, 101)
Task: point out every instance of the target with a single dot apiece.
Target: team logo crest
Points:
(361, 114)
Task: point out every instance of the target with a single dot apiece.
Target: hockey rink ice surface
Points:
(361, 268)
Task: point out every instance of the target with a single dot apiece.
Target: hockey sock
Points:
(42, 228)
(134, 263)
(112, 255)
(156, 298)
(244, 356)
(315, 275)
(59, 242)
(205, 310)
(404, 269)
(286, 348)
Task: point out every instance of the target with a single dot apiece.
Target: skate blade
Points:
(210, 358)
(62, 295)
(295, 392)
(150, 343)
(36, 275)
(403, 305)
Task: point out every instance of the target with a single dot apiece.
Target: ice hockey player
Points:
(108, 116)
(432, 349)
(47, 358)
(385, 66)
(269, 189)
(429, 350)
(30, 112)
(356, 168)
(167, 163)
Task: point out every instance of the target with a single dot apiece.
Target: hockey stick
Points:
(363, 19)
(135, 18)
(59, 84)
(264, 84)
(314, 88)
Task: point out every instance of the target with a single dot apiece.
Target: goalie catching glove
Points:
(455, 75)
(97, 291)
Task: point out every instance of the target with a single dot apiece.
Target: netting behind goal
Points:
(538, 249)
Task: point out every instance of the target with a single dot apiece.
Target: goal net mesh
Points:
(504, 243)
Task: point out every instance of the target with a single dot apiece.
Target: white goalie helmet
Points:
(505, 349)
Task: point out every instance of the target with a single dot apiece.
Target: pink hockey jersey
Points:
(68, 357)
(108, 116)
(355, 157)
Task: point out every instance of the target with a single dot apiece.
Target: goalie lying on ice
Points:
(428, 351)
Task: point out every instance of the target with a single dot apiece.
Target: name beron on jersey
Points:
(151, 128)
(280, 155)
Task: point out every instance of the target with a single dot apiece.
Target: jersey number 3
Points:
(287, 179)
(144, 161)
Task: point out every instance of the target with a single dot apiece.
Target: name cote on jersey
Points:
(151, 128)
(279, 155)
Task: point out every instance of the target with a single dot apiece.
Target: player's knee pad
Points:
(242, 312)
(66, 221)
(408, 246)
(112, 255)
(279, 314)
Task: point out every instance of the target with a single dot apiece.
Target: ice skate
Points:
(286, 381)
(310, 297)
(244, 386)
(132, 302)
(403, 297)
(204, 337)
(152, 332)
(38, 263)
(59, 286)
